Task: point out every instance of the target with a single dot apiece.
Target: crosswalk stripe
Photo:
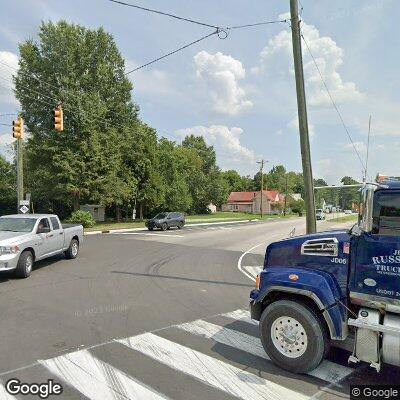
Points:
(328, 371)
(4, 395)
(241, 315)
(253, 270)
(212, 371)
(96, 379)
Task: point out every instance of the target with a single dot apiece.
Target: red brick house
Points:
(251, 202)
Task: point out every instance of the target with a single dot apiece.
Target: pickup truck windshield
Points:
(17, 224)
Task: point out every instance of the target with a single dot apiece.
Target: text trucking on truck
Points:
(335, 288)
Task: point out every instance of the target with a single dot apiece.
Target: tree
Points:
(82, 69)
(8, 187)
(348, 196)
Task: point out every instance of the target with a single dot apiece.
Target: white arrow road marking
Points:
(327, 371)
(219, 374)
(96, 379)
(253, 270)
(239, 264)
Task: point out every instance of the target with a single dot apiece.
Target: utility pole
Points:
(18, 133)
(20, 173)
(303, 122)
(262, 184)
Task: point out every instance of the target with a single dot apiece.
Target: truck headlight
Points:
(8, 250)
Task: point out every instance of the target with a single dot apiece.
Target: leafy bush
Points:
(82, 217)
(298, 207)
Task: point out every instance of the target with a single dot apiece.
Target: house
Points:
(96, 210)
(250, 202)
(212, 208)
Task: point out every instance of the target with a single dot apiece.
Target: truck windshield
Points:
(386, 214)
(17, 224)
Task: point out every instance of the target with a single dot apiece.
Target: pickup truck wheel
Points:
(73, 249)
(293, 336)
(164, 226)
(150, 228)
(180, 225)
(25, 264)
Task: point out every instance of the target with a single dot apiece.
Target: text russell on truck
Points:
(25, 239)
(334, 288)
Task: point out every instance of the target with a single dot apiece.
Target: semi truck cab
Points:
(335, 287)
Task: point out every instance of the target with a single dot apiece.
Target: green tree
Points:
(8, 187)
(83, 69)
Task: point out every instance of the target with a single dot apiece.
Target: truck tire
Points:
(180, 225)
(25, 264)
(150, 228)
(164, 226)
(73, 249)
(293, 336)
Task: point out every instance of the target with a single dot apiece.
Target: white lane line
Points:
(327, 370)
(219, 374)
(4, 395)
(239, 264)
(242, 315)
(253, 270)
(96, 379)
(146, 234)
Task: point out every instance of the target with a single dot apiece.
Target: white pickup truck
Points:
(25, 239)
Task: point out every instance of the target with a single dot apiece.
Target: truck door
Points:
(376, 264)
(42, 245)
(57, 240)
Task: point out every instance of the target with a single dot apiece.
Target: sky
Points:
(239, 92)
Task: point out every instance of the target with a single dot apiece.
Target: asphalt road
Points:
(117, 323)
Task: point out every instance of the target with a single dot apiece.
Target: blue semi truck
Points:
(336, 287)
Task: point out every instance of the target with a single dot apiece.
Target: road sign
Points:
(24, 209)
(24, 203)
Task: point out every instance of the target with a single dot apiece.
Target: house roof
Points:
(247, 197)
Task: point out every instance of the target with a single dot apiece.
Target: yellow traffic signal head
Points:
(18, 128)
(58, 119)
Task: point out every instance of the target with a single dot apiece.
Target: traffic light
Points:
(58, 119)
(18, 128)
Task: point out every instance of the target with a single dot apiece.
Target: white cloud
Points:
(226, 141)
(361, 147)
(294, 124)
(328, 56)
(221, 75)
(6, 84)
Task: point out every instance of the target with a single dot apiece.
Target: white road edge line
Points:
(239, 264)
(146, 234)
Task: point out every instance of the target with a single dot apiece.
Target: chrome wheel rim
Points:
(289, 337)
(28, 264)
(74, 249)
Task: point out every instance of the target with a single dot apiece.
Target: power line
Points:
(258, 23)
(3, 124)
(163, 13)
(333, 102)
(172, 52)
(7, 114)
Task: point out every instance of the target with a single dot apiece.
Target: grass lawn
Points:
(346, 218)
(190, 219)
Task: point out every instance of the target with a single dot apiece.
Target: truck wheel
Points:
(25, 264)
(73, 249)
(180, 225)
(164, 226)
(150, 228)
(293, 336)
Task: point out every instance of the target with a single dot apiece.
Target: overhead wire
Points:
(333, 102)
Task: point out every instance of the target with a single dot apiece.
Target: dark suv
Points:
(166, 220)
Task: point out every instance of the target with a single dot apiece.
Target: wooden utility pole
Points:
(262, 184)
(20, 174)
(303, 122)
